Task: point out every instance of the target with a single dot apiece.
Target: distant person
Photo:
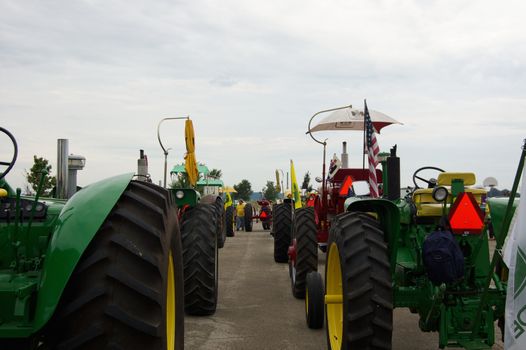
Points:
(334, 166)
(240, 215)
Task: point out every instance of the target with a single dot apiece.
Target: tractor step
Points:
(473, 344)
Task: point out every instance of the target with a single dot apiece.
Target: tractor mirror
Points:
(318, 179)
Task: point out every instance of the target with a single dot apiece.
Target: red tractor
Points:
(299, 232)
(265, 215)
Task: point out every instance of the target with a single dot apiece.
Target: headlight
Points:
(439, 194)
(179, 194)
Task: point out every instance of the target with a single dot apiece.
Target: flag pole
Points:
(507, 218)
(500, 238)
(363, 143)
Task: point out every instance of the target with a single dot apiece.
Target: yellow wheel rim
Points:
(333, 299)
(170, 305)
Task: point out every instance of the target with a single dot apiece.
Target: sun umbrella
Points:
(190, 162)
(352, 119)
(229, 189)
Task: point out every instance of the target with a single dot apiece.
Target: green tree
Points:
(215, 173)
(306, 182)
(181, 181)
(244, 190)
(33, 176)
(270, 192)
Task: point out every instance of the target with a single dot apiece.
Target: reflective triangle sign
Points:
(465, 216)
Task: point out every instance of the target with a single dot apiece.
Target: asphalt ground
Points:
(256, 309)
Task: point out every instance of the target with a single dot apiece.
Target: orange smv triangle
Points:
(263, 215)
(465, 216)
(347, 183)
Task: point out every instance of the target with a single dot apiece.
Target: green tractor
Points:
(202, 232)
(428, 251)
(102, 269)
(209, 191)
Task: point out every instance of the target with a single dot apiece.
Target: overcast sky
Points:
(251, 74)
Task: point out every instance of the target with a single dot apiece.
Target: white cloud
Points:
(251, 73)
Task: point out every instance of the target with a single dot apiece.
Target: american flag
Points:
(372, 152)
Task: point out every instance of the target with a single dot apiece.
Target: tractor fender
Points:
(497, 211)
(388, 216)
(77, 224)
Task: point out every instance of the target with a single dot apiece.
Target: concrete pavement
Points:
(256, 309)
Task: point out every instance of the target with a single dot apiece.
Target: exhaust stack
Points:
(75, 163)
(62, 168)
(345, 156)
(142, 166)
(67, 167)
(393, 175)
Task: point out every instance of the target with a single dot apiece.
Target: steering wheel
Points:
(431, 182)
(10, 163)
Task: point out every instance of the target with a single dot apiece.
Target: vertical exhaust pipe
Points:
(345, 156)
(62, 168)
(75, 163)
(142, 166)
(393, 175)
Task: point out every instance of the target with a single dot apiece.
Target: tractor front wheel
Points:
(306, 246)
(127, 290)
(359, 299)
(314, 302)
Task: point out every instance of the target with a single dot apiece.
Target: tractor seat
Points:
(427, 206)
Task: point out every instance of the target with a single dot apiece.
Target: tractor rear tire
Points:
(358, 281)
(306, 250)
(282, 231)
(126, 291)
(229, 221)
(248, 217)
(200, 260)
(314, 302)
